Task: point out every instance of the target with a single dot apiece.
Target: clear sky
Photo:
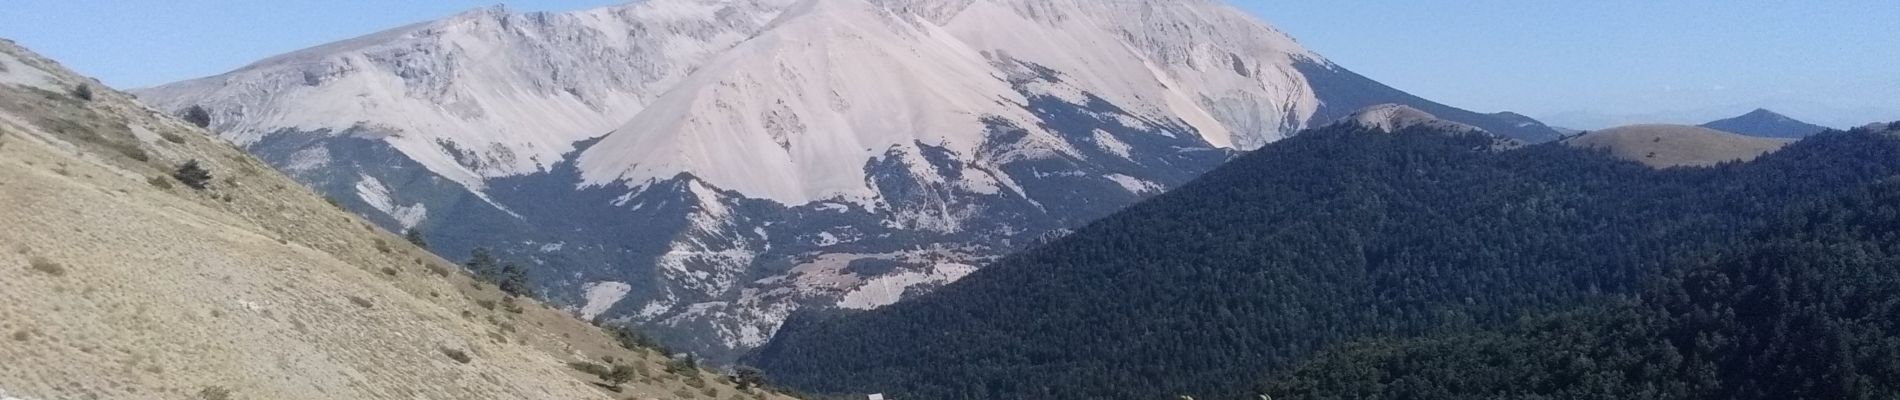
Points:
(1584, 64)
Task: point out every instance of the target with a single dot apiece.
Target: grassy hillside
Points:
(122, 282)
(1663, 146)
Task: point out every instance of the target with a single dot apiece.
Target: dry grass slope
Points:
(1663, 146)
(116, 283)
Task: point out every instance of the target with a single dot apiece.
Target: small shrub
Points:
(193, 175)
(390, 271)
(687, 366)
(414, 236)
(46, 266)
(457, 355)
(361, 302)
(683, 393)
(172, 137)
(438, 270)
(333, 202)
(82, 92)
(589, 368)
(509, 304)
(710, 392)
(214, 393)
(135, 153)
(196, 115)
(746, 378)
(383, 246)
(486, 304)
(160, 182)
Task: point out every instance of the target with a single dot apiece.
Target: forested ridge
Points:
(1335, 235)
(1808, 308)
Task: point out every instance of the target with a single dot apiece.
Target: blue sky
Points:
(1580, 63)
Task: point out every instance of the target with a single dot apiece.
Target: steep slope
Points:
(1663, 146)
(1764, 123)
(705, 167)
(1333, 235)
(1826, 330)
(121, 282)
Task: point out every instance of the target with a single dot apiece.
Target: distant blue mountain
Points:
(1764, 123)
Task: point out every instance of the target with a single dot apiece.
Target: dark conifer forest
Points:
(1808, 308)
(1384, 253)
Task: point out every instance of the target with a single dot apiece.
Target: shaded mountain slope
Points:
(1336, 234)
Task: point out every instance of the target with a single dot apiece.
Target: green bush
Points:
(193, 175)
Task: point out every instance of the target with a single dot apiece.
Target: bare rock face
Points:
(705, 167)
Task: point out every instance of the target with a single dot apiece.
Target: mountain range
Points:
(704, 168)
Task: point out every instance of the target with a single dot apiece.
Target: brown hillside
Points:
(118, 282)
(1663, 146)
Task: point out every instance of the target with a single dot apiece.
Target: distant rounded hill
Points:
(1664, 146)
(1765, 123)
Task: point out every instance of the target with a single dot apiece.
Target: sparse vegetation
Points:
(438, 270)
(391, 272)
(46, 266)
(214, 393)
(589, 368)
(510, 305)
(457, 355)
(382, 246)
(135, 153)
(193, 175)
(687, 366)
(745, 378)
(196, 115)
(361, 302)
(172, 137)
(634, 340)
(160, 182)
(619, 375)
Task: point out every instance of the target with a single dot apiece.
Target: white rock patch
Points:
(602, 296)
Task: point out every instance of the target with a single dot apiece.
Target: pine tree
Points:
(513, 280)
(483, 264)
(193, 175)
(414, 235)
